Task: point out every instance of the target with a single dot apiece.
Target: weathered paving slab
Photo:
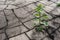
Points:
(2, 20)
(21, 14)
(20, 37)
(23, 29)
(13, 31)
(2, 36)
(29, 24)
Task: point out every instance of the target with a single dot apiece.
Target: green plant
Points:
(58, 4)
(41, 16)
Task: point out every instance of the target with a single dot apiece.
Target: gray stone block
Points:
(31, 6)
(1, 31)
(30, 24)
(2, 36)
(2, 20)
(57, 36)
(2, 6)
(56, 11)
(48, 8)
(23, 29)
(20, 37)
(11, 7)
(57, 20)
(13, 31)
(21, 13)
(30, 33)
(8, 12)
(45, 2)
(27, 18)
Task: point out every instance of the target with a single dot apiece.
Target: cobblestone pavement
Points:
(16, 20)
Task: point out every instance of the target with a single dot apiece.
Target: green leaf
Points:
(44, 18)
(37, 15)
(58, 4)
(39, 8)
(39, 29)
(44, 14)
(44, 23)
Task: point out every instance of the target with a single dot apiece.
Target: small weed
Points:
(40, 16)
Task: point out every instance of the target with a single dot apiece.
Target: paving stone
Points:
(27, 18)
(30, 33)
(56, 11)
(23, 29)
(14, 1)
(38, 35)
(20, 37)
(8, 12)
(2, 0)
(1, 31)
(31, 7)
(23, 4)
(1, 3)
(2, 20)
(54, 0)
(51, 29)
(27, 9)
(53, 5)
(2, 36)
(2, 7)
(13, 31)
(11, 7)
(12, 20)
(53, 24)
(30, 1)
(46, 38)
(48, 9)
(21, 13)
(57, 36)
(49, 16)
(59, 29)
(46, 2)
(30, 24)
(13, 23)
(27, 2)
(11, 17)
(58, 1)
(57, 20)
(11, 0)
(40, 3)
